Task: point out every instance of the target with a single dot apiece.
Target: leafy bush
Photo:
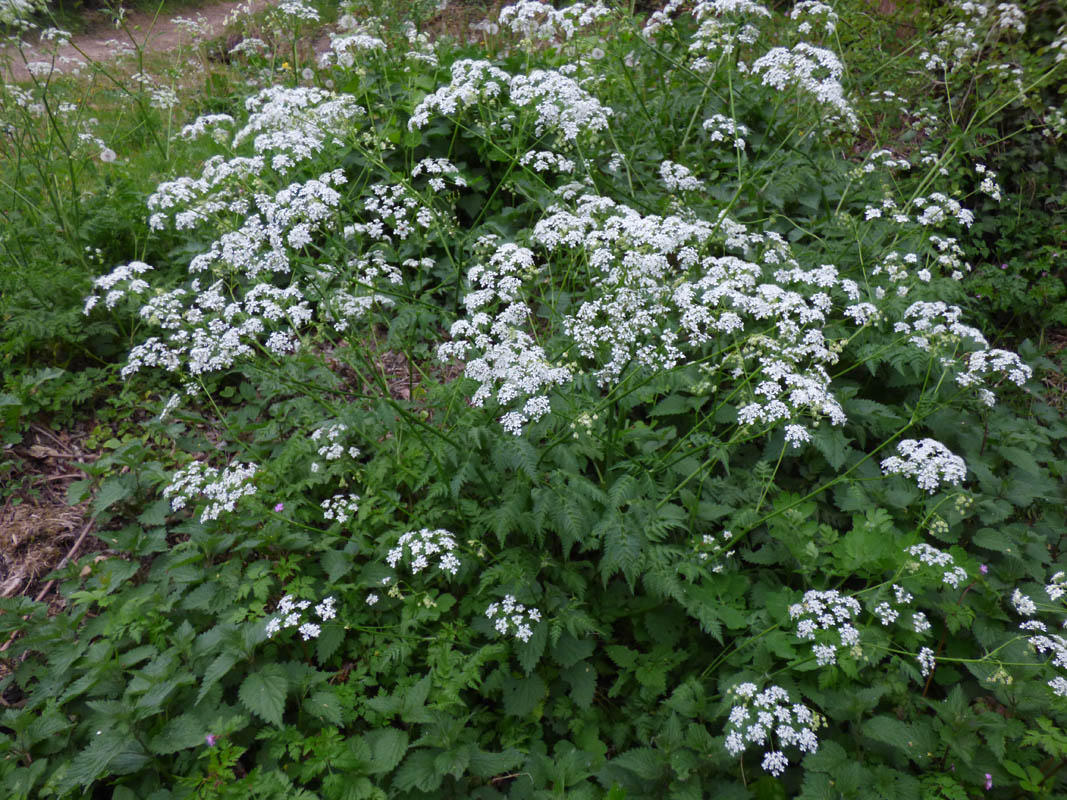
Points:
(586, 411)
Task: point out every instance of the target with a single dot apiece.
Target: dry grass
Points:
(37, 526)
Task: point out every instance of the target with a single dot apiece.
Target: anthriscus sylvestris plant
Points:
(598, 404)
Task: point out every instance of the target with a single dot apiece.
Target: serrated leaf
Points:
(178, 734)
(156, 514)
(92, 762)
(387, 746)
(418, 772)
(523, 695)
(113, 490)
(623, 657)
(263, 693)
(530, 651)
(642, 761)
(486, 765)
(413, 704)
(325, 705)
(215, 672)
(336, 564)
(581, 677)
(328, 641)
(568, 650)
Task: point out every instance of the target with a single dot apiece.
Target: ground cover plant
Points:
(598, 406)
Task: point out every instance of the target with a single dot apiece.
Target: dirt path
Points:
(154, 33)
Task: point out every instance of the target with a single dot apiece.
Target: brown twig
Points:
(62, 445)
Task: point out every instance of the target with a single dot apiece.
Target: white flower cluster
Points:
(560, 102)
(814, 9)
(885, 160)
(418, 547)
(296, 11)
(926, 661)
(128, 274)
(811, 69)
(677, 178)
(723, 26)
(722, 129)
(545, 160)
(208, 123)
(508, 357)
(928, 461)
(340, 507)
(989, 185)
(222, 489)
(332, 442)
(539, 21)
(213, 331)
(345, 49)
(709, 549)
(763, 717)
(826, 611)
(16, 13)
(1023, 605)
(439, 169)
(1057, 586)
(295, 123)
(938, 207)
(512, 618)
(290, 615)
(885, 610)
(953, 575)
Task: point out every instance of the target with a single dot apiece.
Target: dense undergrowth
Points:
(607, 405)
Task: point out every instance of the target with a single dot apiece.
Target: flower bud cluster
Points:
(769, 720)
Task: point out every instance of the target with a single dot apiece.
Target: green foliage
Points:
(332, 572)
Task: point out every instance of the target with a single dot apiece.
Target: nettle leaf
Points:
(530, 652)
(328, 641)
(263, 693)
(93, 761)
(387, 746)
(581, 677)
(644, 762)
(568, 650)
(178, 734)
(216, 670)
(486, 765)
(324, 704)
(413, 703)
(523, 695)
(903, 736)
(418, 772)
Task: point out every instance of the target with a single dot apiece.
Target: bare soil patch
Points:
(102, 41)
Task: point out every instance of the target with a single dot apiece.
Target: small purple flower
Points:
(278, 509)
(983, 569)
(988, 781)
(209, 740)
